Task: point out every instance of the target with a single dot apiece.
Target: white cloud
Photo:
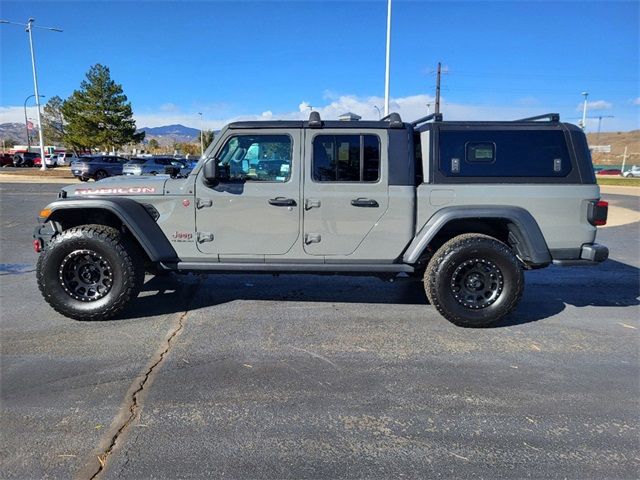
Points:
(410, 108)
(595, 105)
(636, 101)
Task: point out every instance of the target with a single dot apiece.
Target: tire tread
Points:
(130, 264)
(468, 240)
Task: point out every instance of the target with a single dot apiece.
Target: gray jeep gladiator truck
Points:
(465, 207)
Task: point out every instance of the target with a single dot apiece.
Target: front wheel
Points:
(474, 280)
(90, 272)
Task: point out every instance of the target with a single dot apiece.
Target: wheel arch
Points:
(118, 213)
(513, 225)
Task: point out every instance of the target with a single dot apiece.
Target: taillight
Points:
(597, 213)
(37, 246)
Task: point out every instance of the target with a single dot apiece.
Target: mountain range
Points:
(165, 135)
(170, 133)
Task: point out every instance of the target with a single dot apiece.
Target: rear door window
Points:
(346, 158)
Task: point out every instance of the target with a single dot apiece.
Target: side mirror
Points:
(172, 170)
(210, 171)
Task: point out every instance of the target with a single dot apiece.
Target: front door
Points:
(345, 189)
(255, 208)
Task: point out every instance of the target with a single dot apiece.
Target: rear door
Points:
(255, 208)
(345, 188)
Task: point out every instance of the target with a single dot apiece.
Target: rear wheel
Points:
(474, 280)
(90, 272)
(100, 174)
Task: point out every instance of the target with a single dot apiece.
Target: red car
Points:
(6, 160)
(610, 171)
(37, 162)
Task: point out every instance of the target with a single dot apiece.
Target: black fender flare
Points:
(131, 213)
(531, 243)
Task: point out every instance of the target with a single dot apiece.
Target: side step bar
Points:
(322, 268)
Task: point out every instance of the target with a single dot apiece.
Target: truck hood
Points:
(125, 186)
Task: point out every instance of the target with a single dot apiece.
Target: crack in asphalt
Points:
(133, 402)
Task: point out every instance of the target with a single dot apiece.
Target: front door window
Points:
(256, 158)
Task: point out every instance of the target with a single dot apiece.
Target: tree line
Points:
(97, 115)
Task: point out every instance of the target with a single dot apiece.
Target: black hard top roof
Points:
(393, 121)
(305, 124)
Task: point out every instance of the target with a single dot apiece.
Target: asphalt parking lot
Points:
(247, 376)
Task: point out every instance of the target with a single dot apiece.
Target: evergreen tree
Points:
(207, 138)
(99, 115)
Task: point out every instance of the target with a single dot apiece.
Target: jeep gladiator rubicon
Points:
(463, 206)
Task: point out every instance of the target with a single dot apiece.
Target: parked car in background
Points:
(97, 167)
(6, 160)
(24, 159)
(49, 160)
(634, 172)
(151, 166)
(610, 171)
(66, 158)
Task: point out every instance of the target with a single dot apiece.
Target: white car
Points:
(66, 158)
(51, 160)
(634, 172)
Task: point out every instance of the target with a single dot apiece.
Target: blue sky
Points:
(240, 59)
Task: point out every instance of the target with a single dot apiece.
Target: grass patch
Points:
(57, 172)
(627, 182)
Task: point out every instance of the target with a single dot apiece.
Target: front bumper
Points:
(44, 233)
(588, 254)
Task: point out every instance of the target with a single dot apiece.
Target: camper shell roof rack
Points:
(436, 117)
(551, 117)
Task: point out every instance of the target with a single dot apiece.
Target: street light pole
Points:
(584, 111)
(29, 28)
(201, 138)
(26, 122)
(378, 109)
(37, 95)
(386, 72)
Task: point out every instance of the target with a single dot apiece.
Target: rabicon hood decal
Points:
(119, 186)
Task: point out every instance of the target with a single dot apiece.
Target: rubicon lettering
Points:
(114, 191)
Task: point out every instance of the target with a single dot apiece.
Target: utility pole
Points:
(201, 139)
(600, 117)
(386, 72)
(624, 159)
(438, 74)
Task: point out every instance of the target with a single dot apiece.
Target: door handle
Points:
(310, 238)
(282, 202)
(364, 202)
(203, 203)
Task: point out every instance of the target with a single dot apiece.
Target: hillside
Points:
(617, 140)
(13, 131)
(169, 134)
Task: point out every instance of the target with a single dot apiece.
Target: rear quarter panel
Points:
(559, 210)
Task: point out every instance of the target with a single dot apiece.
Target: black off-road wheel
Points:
(474, 280)
(90, 272)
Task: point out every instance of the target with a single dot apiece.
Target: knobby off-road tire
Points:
(90, 272)
(474, 280)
